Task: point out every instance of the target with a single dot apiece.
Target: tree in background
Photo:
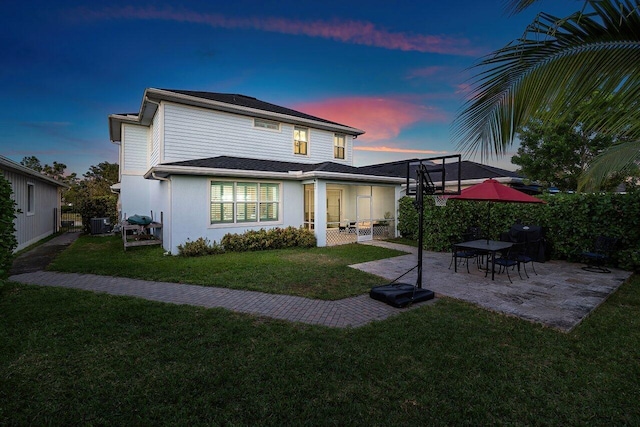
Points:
(8, 240)
(94, 197)
(556, 153)
(100, 178)
(32, 162)
(90, 196)
(553, 67)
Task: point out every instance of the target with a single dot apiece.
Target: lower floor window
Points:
(239, 202)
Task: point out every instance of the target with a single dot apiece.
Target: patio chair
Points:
(526, 253)
(473, 233)
(598, 256)
(458, 254)
(507, 261)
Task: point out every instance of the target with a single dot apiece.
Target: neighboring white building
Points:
(38, 199)
(221, 163)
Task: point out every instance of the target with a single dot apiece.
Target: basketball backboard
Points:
(434, 176)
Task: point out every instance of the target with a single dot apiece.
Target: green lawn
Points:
(71, 357)
(321, 273)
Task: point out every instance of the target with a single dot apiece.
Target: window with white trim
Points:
(338, 146)
(300, 140)
(266, 124)
(31, 198)
(241, 202)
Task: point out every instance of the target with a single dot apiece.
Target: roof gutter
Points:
(10, 164)
(162, 172)
(502, 180)
(115, 121)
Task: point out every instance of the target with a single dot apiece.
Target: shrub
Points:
(199, 247)
(570, 222)
(8, 240)
(98, 207)
(275, 238)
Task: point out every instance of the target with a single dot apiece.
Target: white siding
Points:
(32, 228)
(134, 144)
(190, 206)
(194, 133)
(135, 195)
(155, 140)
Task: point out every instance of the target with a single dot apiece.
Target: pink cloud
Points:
(433, 71)
(398, 150)
(353, 32)
(380, 118)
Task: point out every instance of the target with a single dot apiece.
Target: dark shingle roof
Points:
(469, 170)
(241, 163)
(249, 102)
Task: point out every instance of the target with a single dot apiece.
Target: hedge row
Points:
(570, 222)
(252, 240)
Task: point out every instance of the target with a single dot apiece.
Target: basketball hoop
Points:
(440, 200)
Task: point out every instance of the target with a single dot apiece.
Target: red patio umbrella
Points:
(492, 191)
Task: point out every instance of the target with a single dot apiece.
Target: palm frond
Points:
(516, 6)
(557, 64)
(622, 157)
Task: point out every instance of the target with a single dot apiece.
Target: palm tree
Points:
(558, 63)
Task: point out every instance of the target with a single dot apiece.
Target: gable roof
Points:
(249, 102)
(231, 103)
(8, 164)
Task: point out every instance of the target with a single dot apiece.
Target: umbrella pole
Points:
(488, 221)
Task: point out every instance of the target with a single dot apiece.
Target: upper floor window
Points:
(338, 146)
(31, 199)
(300, 140)
(266, 124)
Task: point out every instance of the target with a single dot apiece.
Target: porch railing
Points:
(344, 232)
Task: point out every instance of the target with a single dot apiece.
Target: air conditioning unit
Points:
(100, 225)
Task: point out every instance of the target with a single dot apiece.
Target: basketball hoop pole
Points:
(422, 188)
(426, 186)
(420, 200)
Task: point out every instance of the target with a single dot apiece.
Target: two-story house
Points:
(217, 163)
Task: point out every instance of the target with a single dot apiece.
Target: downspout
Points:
(166, 237)
(154, 176)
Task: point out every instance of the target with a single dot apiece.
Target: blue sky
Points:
(397, 70)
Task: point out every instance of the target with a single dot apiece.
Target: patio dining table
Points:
(486, 246)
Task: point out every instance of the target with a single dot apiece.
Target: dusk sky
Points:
(396, 70)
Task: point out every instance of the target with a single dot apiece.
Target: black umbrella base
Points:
(400, 294)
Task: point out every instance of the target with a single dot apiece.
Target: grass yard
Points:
(71, 357)
(320, 273)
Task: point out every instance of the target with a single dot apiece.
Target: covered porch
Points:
(342, 213)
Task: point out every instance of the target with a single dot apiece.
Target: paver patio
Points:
(560, 296)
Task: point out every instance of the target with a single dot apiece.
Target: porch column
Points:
(398, 194)
(320, 215)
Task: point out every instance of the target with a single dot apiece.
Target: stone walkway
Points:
(348, 312)
(560, 296)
